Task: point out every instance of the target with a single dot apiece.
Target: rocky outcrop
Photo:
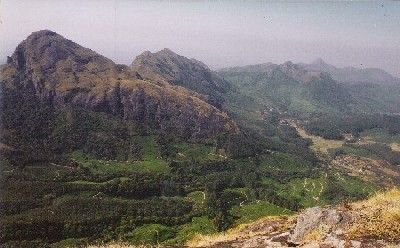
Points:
(51, 61)
(318, 227)
(321, 223)
(63, 73)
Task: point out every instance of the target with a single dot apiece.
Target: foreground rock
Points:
(316, 222)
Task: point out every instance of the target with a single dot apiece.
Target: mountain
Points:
(372, 90)
(63, 73)
(289, 87)
(300, 89)
(168, 67)
(59, 97)
(292, 71)
(351, 75)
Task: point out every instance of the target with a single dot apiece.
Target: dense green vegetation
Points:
(335, 126)
(81, 177)
(372, 98)
(114, 182)
(72, 176)
(273, 87)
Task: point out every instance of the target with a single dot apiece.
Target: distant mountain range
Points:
(351, 75)
(289, 88)
(317, 88)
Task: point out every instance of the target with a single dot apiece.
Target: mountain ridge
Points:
(289, 87)
(352, 75)
(300, 89)
(167, 67)
(63, 72)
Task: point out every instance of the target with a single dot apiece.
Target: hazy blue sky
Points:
(219, 33)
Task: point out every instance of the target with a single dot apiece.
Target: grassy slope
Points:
(380, 220)
(381, 216)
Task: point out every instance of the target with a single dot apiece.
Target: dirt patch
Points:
(395, 147)
(320, 144)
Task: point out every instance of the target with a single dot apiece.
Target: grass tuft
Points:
(380, 216)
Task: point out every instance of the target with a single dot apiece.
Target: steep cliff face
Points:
(60, 72)
(168, 67)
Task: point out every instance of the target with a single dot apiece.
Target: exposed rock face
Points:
(185, 115)
(320, 220)
(166, 66)
(64, 73)
(51, 61)
(318, 227)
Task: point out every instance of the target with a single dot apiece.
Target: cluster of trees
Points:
(381, 150)
(336, 193)
(271, 196)
(143, 185)
(26, 123)
(218, 204)
(77, 217)
(333, 127)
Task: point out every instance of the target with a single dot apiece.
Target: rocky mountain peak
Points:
(45, 50)
(27, 50)
(50, 61)
(168, 51)
(166, 66)
(62, 73)
(300, 74)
